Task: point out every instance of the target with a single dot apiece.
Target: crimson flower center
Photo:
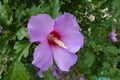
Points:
(52, 37)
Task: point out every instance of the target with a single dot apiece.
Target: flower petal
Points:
(39, 27)
(40, 74)
(66, 24)
(63, 58)
(43, 56)
(113, 36)
(54, 71)
(73, 42)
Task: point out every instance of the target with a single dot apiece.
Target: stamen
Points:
(60, 43)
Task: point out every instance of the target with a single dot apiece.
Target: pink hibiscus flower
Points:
(59, 40)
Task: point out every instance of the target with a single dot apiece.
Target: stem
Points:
(3, 66)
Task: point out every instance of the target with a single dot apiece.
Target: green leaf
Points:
(89, 59)
(56, 8)
(106, 4)
(23, 32)
(112, 49)
(52, 9)
(3, 15)
(116, 5)
(22, 48)
(93, 44)
(48, 75)
(106, 65)
(17, 72)
(4, 45)
(7, 8)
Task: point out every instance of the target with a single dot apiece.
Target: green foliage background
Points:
(99, 58)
